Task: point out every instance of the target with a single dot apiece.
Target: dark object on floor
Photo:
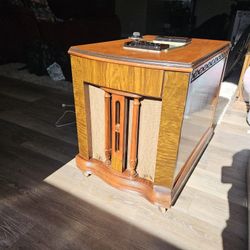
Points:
(40, 55)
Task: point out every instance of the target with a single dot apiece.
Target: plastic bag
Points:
(55, 72)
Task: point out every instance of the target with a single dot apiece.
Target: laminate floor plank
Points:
(35, 141)
(39, 124)
(22, 93)
(13, 226)
(39, 114)
(7, 103)
(27, 157)
(46, 202)
(195, 233)
(65, 228)
(17, 176)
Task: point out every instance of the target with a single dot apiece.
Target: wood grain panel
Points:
(134, 137)
(173, 104)
(107, 128)
(147, 82)
(119, 111)
(80, 94)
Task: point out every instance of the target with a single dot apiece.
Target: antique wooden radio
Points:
(144, 118)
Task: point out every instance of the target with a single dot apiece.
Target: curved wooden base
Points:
(161, 196)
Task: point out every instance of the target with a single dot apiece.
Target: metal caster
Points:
(86, 173)
(163, 210)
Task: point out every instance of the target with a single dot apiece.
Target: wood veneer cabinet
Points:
(144, 118)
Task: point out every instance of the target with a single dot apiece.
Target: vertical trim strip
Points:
(173, 105)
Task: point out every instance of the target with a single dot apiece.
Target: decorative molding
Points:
(157, 195)
(131, 60)
(206, 66)
(142, 62)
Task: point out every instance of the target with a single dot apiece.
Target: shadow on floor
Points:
(31, 147)
(237, 221)
(45, 217)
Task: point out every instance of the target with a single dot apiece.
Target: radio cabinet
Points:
(144, 118)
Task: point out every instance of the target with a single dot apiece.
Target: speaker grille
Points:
(149, 123)
(97, 112)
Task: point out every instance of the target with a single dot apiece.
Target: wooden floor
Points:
(31, 148)
(70, 211)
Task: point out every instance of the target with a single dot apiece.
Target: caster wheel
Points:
(86, 173)
(163, 210)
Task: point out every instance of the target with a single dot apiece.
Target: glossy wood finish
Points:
(180, 59)
(134, 137)
(81, 108)
(119, 110)
(136, 80)
(109, 66)
(123, 93)
(159, 196)
(173, 105)
(108, 148)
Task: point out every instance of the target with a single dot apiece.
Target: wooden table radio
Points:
(144, 118)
